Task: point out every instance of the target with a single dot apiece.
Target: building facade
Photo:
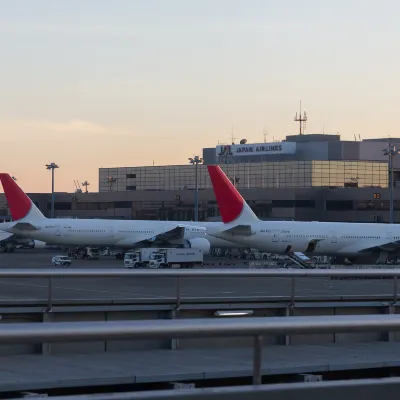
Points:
(307, 177)
(255, 175)
(349, 204)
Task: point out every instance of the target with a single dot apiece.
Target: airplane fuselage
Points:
(119, 233)
(317, 238)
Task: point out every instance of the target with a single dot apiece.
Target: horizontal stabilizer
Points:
(239, 230)
(24, 226)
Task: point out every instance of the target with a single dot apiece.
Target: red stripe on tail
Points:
(230, 202)
(18, 202)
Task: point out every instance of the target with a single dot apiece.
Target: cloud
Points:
(43, 129)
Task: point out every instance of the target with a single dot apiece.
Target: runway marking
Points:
(83, 290)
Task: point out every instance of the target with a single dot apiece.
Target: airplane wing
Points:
(239, 230)
(176, 233)
(24, 226)
(173, 234)
(388, 247)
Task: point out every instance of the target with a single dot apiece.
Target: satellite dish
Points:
(243, 141)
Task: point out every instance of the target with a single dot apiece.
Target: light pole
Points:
(391, 151)
(196, 160)
(86, 184)
(52, 167)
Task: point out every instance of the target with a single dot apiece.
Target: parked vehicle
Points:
(61, 260)
(139, 258)
(181, 257)
(86, 253)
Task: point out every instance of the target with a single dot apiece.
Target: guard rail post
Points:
(49, 294)
(257, 360)
(289, 311)
(391, 309)
(176, 312)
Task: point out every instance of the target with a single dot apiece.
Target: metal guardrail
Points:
(179, 274)
(365, 389)
(192, 328)
(197, 273)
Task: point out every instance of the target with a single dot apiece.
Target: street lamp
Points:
(391, 152)
(52, 167)
(86, 184)
(196, 160)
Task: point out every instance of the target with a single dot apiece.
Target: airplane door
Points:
(275, 236)
(111, 231)
(333, 237)
(58, 231)
(389, 237)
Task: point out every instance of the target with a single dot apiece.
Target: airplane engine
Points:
(199, 243)
(37, 244)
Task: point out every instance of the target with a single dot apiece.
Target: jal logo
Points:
(225, 150)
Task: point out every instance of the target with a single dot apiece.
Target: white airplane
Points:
(29, 222)
(345, 239)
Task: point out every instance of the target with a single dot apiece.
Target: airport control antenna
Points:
(301, 119)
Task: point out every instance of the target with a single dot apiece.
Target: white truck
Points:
(139, 258)
(180, 257)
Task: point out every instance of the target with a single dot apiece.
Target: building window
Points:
(132, 187)
(123, 204)
(129, 176)
(339, 205)
(304, 203)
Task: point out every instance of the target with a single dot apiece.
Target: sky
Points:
(108, 83)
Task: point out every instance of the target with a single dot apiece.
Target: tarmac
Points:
(161, 288)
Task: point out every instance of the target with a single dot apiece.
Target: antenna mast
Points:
(232, 136)
(301, 119)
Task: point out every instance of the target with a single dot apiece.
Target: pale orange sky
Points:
(99, 83)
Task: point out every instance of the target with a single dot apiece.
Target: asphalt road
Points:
(158, 288)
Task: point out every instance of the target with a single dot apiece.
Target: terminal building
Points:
(304, 177)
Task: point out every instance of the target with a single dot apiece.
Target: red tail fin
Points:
(231, 204)
(19, 203)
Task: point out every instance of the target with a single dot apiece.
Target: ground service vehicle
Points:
(139, 258)
(170, 258)
(61, 260)
(85, 253)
